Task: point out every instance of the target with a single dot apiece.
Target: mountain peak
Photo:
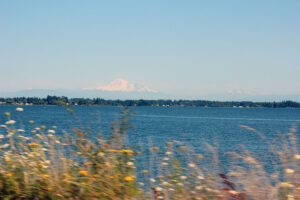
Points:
(121, 85)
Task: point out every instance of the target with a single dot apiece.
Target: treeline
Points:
(57, 100)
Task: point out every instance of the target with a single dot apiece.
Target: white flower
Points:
(19, 109)
(1, 136)
(3, 126)
(233, 192)
(290, 197)
(168, 153)
(50, 135)
(286, 185)
(182, 177)
(130, 163)
(164, 163)
(51, 131)
(289, 171)
(165, 158)
(9, 134)
(141, 184)
(152, 180)
(38, 128)
(192, 165)
(4, 146)
(159, 189)
(297, 157)
(20, 130)
(10, 122)
(57, 142)
(199, 187)
(165, 183)
(200, 177)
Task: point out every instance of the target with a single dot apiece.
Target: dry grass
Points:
(78, 166)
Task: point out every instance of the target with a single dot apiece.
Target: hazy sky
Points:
(177, 47)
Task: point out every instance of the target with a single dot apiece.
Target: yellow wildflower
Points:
(7, 114)
(126, 151)
(33, 144)
(7, 159)
(128, 178)
(113, 150)
(88, 163)
(63, 159)
(45, 175)
(83, 172)
(9, 174)
(133, 167)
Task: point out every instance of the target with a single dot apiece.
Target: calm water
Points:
(193, 126)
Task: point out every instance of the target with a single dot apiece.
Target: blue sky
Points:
(185, 48)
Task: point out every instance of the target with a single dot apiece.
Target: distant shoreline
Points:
(61, 100)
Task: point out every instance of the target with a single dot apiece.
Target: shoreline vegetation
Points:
(59, 100)
(45, 164)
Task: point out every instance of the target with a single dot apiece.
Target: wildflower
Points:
(31, 122)
(164, 164)
(165, 158)
(10, 134)
(126, 151)
(10, 122)
(289, 171)
(182, 177)
(63, 159)
(144, 171)
(200, 177)
(141, 184)
(54, 127)
(4, 146)
(9, 174)
(1, 136)
(50, 135)
(19, 109)
(155, 148)
(286, 185)
(128, 178)
(88, 163)
(83, 172)
(3, 126)
(20, 130)
(168, 153)
(112, 150)
(158, 189)
(191, 165)
(37, 128)
(7, 114)
(130, 163)
(43, 127)
(290, 197)
(297, 157)
(47, 162)
(165, 183)
(45, 175)
(33, 144)
(182, 149)
(7, 159)
(233, 192)
(101, 154)
(57, 142)
(199, 187)
(199, 156)
(152, 180)
(33, 131)
(133, 167)
(51, 131)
